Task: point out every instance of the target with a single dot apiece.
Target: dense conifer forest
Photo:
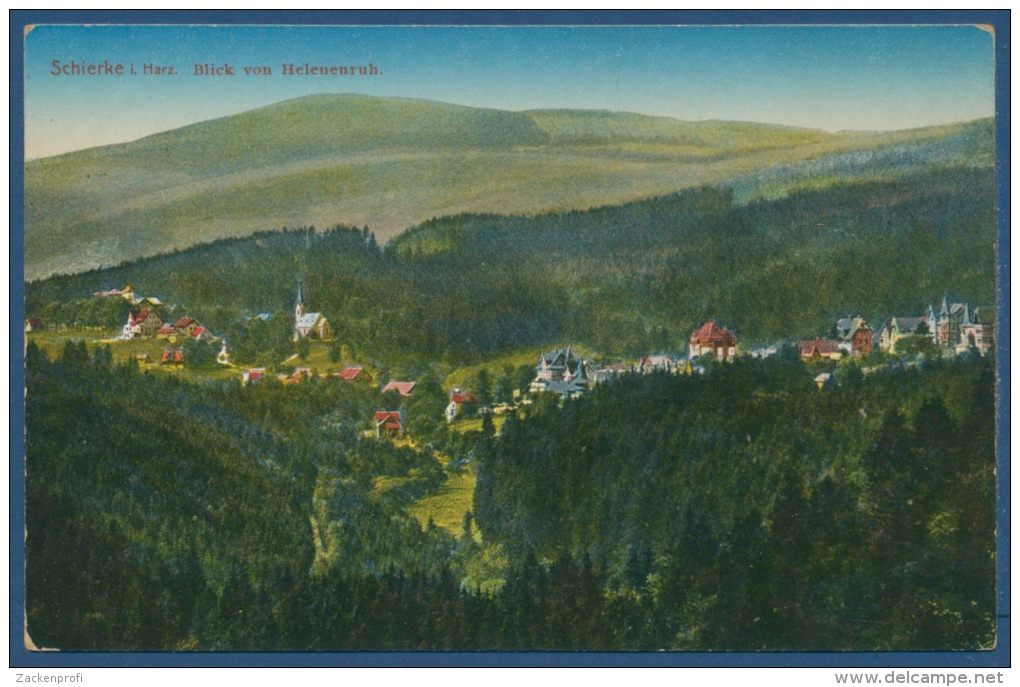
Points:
(739, 509)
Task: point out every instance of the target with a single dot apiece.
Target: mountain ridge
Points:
(390, 163)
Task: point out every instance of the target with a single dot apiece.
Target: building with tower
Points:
(563, 372)
(714, 340)
(959, 326)
(309, 324)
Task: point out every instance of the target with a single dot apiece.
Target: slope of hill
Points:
(391, 163)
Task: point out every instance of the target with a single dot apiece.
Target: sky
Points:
(821, 77)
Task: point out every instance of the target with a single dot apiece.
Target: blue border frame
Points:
(20, 657)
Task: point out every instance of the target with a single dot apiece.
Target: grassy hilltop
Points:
(392, 162)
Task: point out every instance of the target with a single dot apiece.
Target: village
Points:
(948, 328)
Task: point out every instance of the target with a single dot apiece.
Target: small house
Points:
(34, 324)
(897, 328)
(172, 356)
(826, 380)
(253, 375)
(126, 293)
(148, 302)
(656, 363)
(458, 398)
(185, 326)
(388, 423)
(403, 388)
(300, 373)
(819, 349)
(353, 373)
(607, 373)
(767, 351)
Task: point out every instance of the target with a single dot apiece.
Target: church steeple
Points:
(299, 306)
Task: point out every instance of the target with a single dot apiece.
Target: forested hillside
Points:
(741, 509)
(199, 512)
(747, 509)
(625, 280)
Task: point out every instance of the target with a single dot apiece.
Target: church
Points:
(309, 324)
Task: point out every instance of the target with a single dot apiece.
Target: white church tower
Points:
(299, 306)
(299, 311)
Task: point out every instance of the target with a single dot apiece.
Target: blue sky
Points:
(832, 78)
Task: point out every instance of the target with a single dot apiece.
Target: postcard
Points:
(512, 338)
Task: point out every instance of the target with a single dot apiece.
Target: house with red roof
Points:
(403, 388)
(714, 340)
(458, 398)
(353, 373)
(142, 323)
(388, 422)
(185, 326)
(253, 375)
(297, 375)
(172, 356)
(819, 349)
(34, 324)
